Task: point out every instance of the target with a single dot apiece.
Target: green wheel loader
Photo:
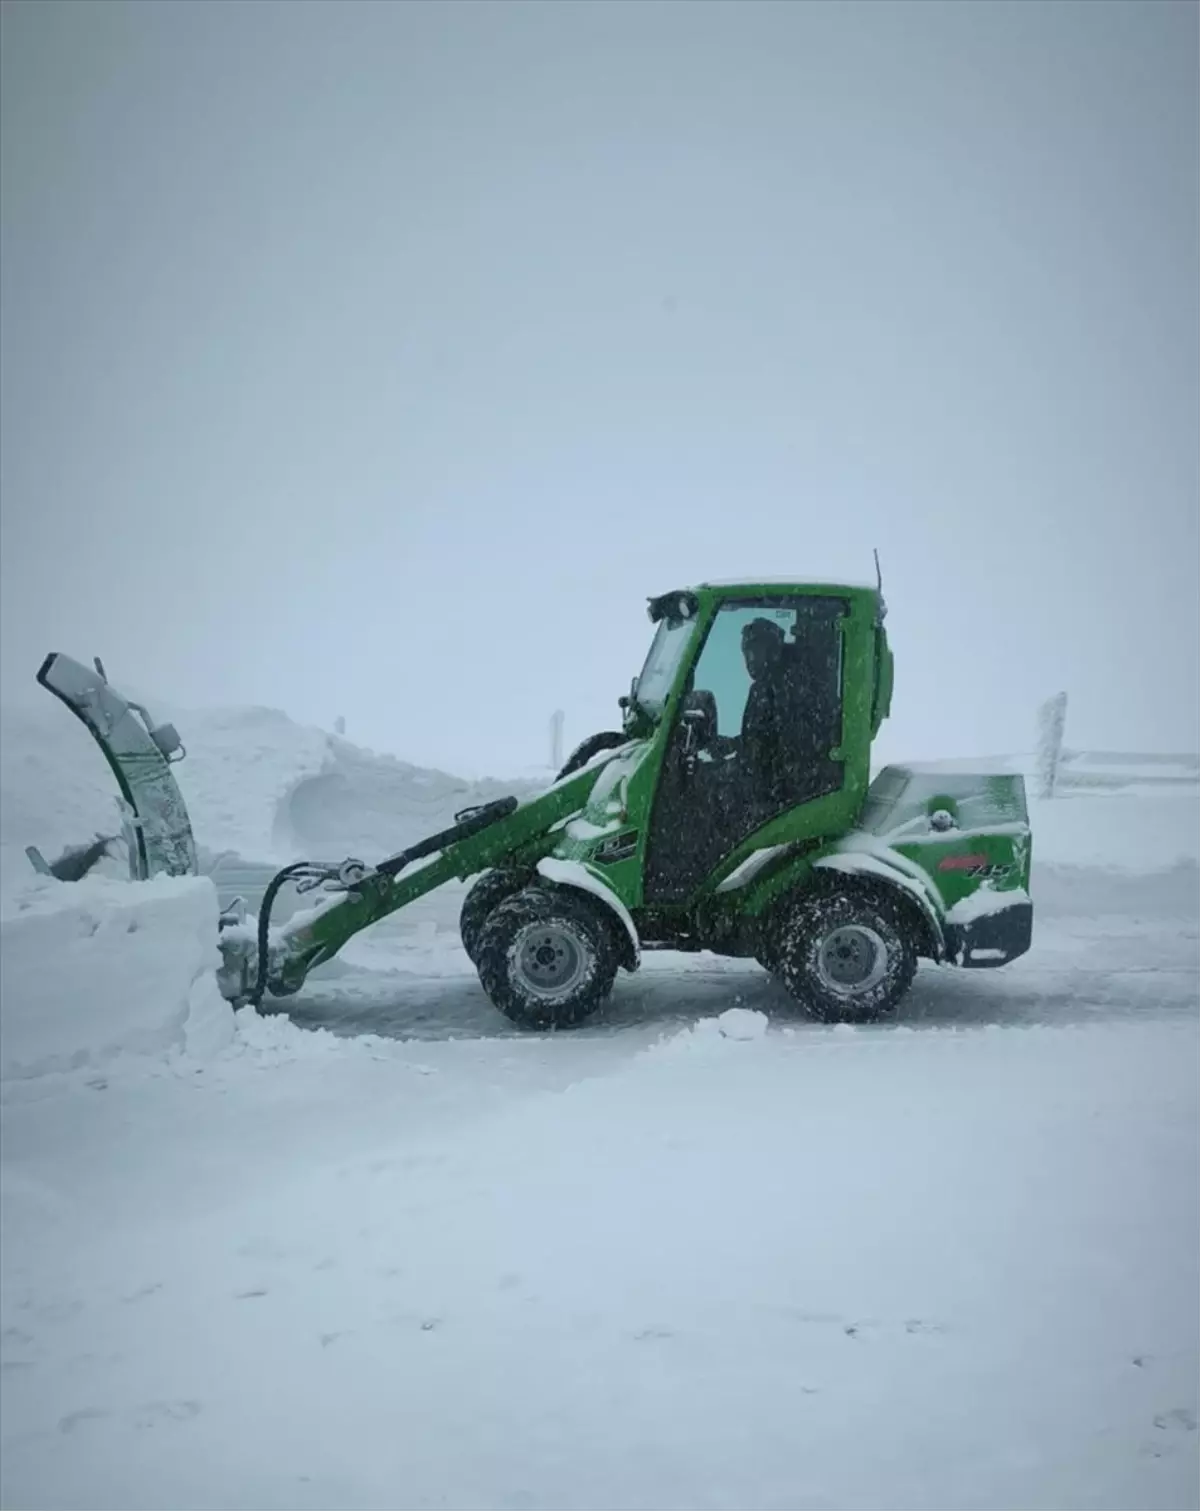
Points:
(733, 811)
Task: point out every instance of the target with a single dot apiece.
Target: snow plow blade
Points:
(140, 753)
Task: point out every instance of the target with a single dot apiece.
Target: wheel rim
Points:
(550, 958)
(852, 960)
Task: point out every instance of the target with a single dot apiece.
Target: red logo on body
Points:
(962, 862)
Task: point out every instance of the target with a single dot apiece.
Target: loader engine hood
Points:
(958, 842)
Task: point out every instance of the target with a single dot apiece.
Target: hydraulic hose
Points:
(264, 926)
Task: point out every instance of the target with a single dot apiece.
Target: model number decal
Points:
(976, 867)
(619, 847)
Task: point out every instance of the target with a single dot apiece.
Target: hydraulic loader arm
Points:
(258, 958)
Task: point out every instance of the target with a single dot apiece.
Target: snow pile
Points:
(97, 968)
(741, 1023)
(370, 805)
(241, 765)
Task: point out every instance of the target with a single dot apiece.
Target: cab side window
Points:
(722, 668)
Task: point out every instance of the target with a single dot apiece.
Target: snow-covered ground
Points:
(387, 1252)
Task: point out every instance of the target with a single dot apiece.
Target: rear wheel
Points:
(846, 958)
(486, 894)
(547, 958)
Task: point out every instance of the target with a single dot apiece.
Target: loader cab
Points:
(764, 699)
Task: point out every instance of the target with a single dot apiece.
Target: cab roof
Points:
(795, 584)
(684, 602)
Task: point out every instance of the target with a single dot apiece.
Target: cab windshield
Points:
(669, 647)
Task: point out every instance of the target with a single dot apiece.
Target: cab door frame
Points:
(700, 815)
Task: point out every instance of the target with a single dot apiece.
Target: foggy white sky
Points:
(381, 359)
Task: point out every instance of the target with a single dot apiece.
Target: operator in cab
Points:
(773, 714)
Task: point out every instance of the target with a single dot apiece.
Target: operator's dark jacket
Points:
(781, 736)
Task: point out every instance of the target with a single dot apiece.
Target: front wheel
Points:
(546, 957)
(845, 958)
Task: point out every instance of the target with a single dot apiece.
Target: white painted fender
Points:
(862, 863)
(573, 873)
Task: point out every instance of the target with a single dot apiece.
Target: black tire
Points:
(768, 943)
(488, 891)
(547, 958)
(846, 957)
(607, 739)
